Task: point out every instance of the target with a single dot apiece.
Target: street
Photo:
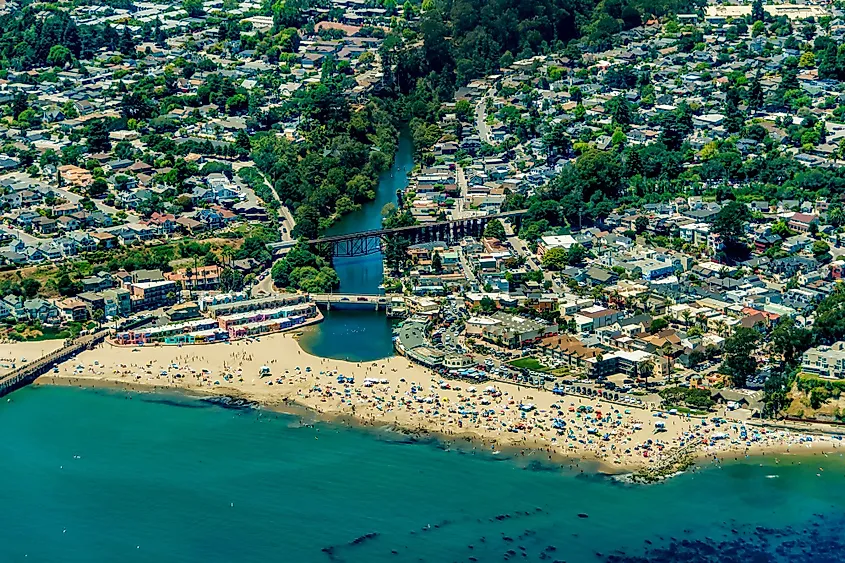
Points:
(286, 220)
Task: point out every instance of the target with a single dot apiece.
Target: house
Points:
(117, 302)
(96, 283)
(162, 223)
(201, 278)
(802, 221)
(152, 294)
(105, 240)
(44, 225)
(222, 188)
(825, 361)
(189, 225)
(73, 310)
(596, 317)
(41, 310)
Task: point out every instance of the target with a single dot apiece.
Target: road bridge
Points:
(351, 300)
(370, 242)
(27, 373)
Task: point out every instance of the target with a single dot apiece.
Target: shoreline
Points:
(459, 441)
(397, 395)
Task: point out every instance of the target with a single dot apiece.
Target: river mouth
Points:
(356, 334)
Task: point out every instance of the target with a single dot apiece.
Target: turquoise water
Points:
(176, 480)
(362, 335)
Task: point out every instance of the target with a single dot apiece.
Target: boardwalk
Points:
(27, 373)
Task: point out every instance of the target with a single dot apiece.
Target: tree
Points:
(646, 370)
(781, 228)
(619, 110)
(576, 254)
(739, 364)
(556, 258)
(98, 137)
(495, 229)
(730, 224)
(757, 11)
(193, 7)
(820, 248)
(231, 280)
(127, 43)
(59, 56)
(641, 224)
(789, 341)
(67, 287)
(437, 263)
(657, 325)
(242, 141)
(30, 287)
(755, 93)
(487, 304)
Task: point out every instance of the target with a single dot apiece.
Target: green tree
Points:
(193, 7)
(641, 224)
(30, 287)
(495, 229)
(657, 325)
(739, 363)
(59, 56)
(757, 11)
(730, 225)
(556, 258)
(437, 263)
(789, 341)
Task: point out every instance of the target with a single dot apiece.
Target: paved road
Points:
(531, 260)
(265, 286)
(285, 216)
(481, 120)
(470, 275)
(75, 198)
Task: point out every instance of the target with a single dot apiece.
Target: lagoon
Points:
(362, 335)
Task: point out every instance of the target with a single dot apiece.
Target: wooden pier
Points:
(29, 372)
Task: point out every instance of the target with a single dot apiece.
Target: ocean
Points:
(106, 476)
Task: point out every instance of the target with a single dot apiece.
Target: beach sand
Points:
(411, 397)
(14, 354)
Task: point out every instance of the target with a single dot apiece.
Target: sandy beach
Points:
(396, 392)
(14, 354)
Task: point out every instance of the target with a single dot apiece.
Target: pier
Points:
(29, 372)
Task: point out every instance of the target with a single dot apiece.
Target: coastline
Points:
(407, 398)
(464, 441)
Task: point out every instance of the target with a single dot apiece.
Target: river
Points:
(354, 334)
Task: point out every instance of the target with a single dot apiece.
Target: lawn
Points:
(528, 363)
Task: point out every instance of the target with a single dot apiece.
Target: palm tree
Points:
(228, 253)
(646, 370)
(189, 273)
(687, 315)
